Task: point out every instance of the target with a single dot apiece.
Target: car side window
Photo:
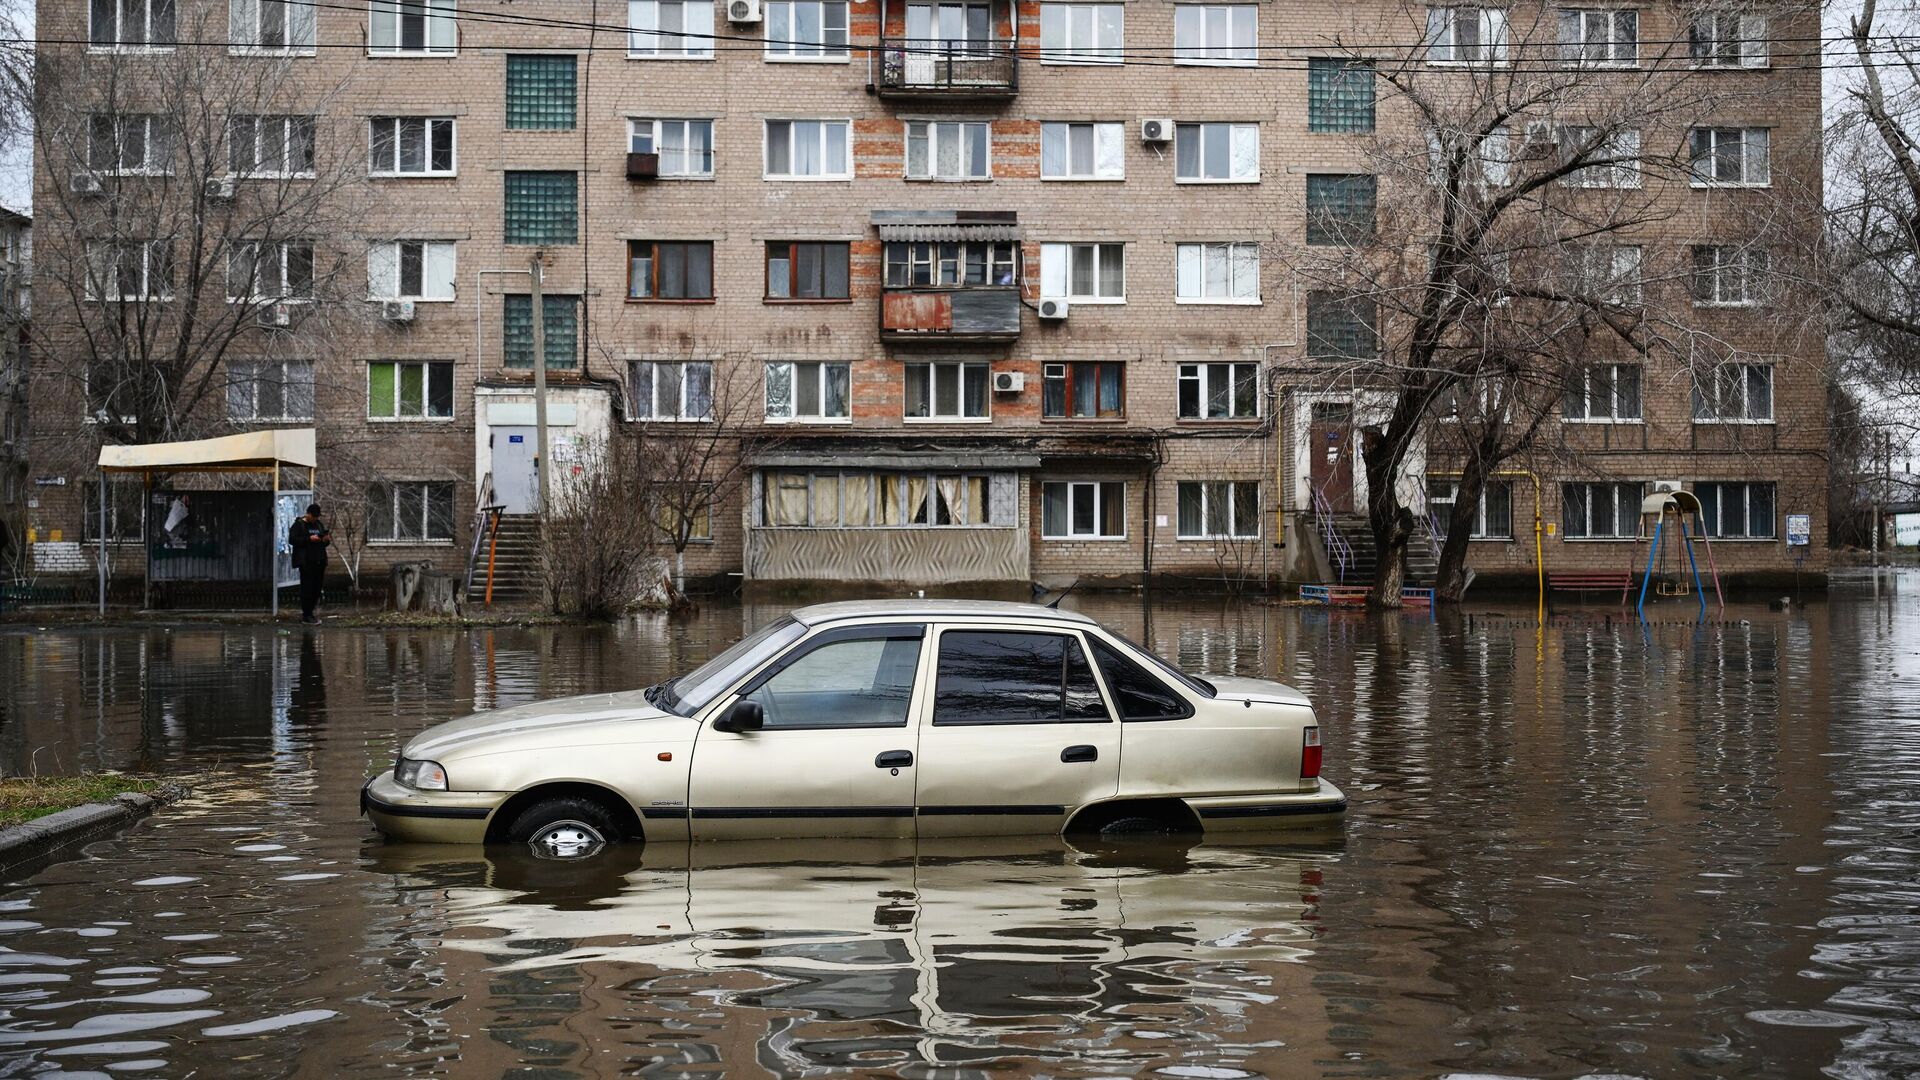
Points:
(1136, 693)
(1014, 677)
(852, 681)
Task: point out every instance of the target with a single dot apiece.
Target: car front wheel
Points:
(564, 828)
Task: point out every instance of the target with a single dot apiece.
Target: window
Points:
(278, 270)
(1728, 39)
(670, 29)
(270, 390)
(1604, 273)
(809, 150)
(1736, 511)
(669, 270)
(270, 25)
(540, 93)
(130, 23)
(1603, 392)
(1219, 509)
(1014, 677)
(418, 510)
(1083, 390)
(407, 390)
(912, 264)
(1339, 96)
(1226, 391)
(542, 208)
(845, 682)
(1215, 34)
(1339, 209)
(129, 270)
(1600, 511)
(410, 270)
(1729, 156)
(1728, 274)
(411, 146)
(879, 500)
(1216, 153)
(817, 392)
(562, 327)
(949, 31)
(1492, 519)
(685, 146)
(1734, 393)
(671, 390)
(698, 519)
(1466, 35)
(807, 30)
(126, 510)
(1094, 151)
(946, 151)
(1218, 273)
(270, 146)
(946, 391)
(1138, 694)
(1082, 33)
(412, 27)
(1484, 158)
(1600, 36)
(1341, 327)
(807, 271)
(1084, 273)
(1614, 157)
(1083, 510)
(129, 144)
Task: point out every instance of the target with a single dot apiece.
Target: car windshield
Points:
(688, 693)
(1197, 685)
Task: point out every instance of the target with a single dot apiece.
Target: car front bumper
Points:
(435, 817)
(1325, 805)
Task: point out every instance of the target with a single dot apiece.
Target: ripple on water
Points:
(113, 1048)
(167, 879)
(1804, 1018)
(271, 1023)
(111, 1024)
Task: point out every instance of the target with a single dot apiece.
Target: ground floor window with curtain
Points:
(693, 507)
(126, 509)
(1219, 509)
(419, 510)
(808, 391)
(1492, 519)
(1736, 510)
(1600, 511)
(860, 499)
(1083, 510)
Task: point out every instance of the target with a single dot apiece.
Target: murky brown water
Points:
(1678, 851)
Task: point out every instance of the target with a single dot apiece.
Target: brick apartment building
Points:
(1002, 306)
(16, 292)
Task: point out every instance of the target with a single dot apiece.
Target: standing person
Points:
(309, 539)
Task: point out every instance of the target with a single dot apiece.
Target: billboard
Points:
(1906, 530)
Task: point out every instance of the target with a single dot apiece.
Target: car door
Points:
(836, 754)
(1014, 732)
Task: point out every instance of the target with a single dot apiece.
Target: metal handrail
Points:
(1337, 546)
(951, 65)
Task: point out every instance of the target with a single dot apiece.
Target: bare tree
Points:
(596, 559)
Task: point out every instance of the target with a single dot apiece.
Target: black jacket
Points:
(309, 541)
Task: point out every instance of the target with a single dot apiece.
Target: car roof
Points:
(818, 614)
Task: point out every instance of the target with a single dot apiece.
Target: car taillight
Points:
(1310, 754)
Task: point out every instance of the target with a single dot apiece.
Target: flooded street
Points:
(1594, 848)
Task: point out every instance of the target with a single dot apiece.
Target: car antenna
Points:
(1055, 602)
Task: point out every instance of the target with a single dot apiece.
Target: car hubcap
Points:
(567, 840)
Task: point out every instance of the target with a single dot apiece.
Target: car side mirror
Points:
(744, 716)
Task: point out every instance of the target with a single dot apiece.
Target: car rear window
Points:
(1014, 677)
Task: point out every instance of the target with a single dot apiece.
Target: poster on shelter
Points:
(290, 505)
(1906, 530)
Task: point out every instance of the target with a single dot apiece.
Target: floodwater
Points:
(1684, 850)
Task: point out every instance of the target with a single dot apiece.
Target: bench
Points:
(1356, 595)
(1585, 581)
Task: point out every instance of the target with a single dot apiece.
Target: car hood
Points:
(1264, 691)
(556, 722)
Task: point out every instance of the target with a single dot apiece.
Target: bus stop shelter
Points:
(252, 452)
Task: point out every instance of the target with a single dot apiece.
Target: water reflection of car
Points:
(875, 719)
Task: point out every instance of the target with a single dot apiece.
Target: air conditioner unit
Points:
(84, 183)
(397, 310)
(1009, 382)
(1660, 486)
(220, 187)
(743, 11)
(1156, 131)
(276, 316)
(1054, 309)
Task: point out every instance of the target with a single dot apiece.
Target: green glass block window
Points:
(563, 331)
(540, 93)
(1341, 327)
(1339, 96)
(1340, 209)
(543, 208)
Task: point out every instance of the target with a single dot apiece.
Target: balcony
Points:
(935, 70)
(949, 276)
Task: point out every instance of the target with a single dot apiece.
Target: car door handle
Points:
(893, 759)
(1082, 752)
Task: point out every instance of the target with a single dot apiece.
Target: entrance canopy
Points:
(251, 451)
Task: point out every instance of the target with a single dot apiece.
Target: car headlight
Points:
(420, 775)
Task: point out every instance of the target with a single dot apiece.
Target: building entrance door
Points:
(1330, 454)
(516, 480)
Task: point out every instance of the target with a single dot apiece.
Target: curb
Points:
(30, 846)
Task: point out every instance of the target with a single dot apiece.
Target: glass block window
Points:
(563, 331)
(1340, 327)
(542, 208)
(540, 93)
(1339, 95)
(1340, 209)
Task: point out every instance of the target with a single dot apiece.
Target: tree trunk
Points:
(1390, 523)
(1450, 580)
(679, 570)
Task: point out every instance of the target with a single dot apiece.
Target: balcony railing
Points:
(973, 313)
(946, 69)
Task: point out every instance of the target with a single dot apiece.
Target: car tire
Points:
(1138, 825)
(565, 828)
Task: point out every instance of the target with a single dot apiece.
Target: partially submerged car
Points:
(875, 718)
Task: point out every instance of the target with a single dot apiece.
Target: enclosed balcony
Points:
(949, 276)
(947, 50)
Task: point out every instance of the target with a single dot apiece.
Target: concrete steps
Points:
(516, 563)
